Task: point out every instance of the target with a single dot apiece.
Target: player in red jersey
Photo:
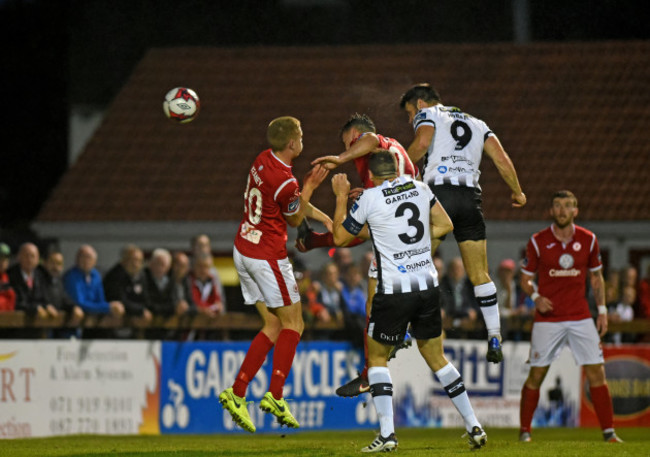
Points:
(271, 201)
(360, 137)
(562, 256)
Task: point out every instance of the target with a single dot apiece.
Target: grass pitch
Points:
(412, 443)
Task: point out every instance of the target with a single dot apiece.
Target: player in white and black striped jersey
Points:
(452, 143)
(400, 215)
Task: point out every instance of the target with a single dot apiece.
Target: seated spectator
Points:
(206, 290)
(7, 293)
(53, 267)
(182, 290)
(457, 297)
(30, 284)
(623, 312)
(83, 283)
(125, 282)
(161, 286)
(329, 293)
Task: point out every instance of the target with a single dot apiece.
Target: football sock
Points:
(452, 381)
(602, 401)
(529, 400)
(253, 361)
(486, 296)
(285, 350)
(381, 389)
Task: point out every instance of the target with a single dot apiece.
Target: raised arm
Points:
(421, 142)
(312, 180)
(501, 159)
(364, 145)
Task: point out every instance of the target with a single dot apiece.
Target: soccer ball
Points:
(181, 105)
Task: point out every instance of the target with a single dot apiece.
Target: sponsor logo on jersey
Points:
(410, 253)
(416, 266)
(459, 170)
(442, 169)
(549, 246)
(455, 159)
(402, 268)
(563, 273)
(398, 189)
(420, 116)
(566, 261)
(576, 246)
(354, 208)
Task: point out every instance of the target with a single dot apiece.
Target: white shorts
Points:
(269, 281)
(372, 270)
(549, 338)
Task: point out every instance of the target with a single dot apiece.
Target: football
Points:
(181, 104)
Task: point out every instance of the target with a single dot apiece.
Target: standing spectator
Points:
(30, 284)
(7, 293)
(623, 311)
(201, 247)
(83, 283)
(562, 256)
(407, 290)
(457, 297)
(205, 288)
(53, 266)
(125, 282)
(271, 201)
(453, 143)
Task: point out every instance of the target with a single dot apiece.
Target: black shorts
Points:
(463, 204)
(391, 313)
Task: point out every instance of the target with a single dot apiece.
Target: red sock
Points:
(253, 361)
(285, 350)
(529, 400)
(602, 401)
(326, 240)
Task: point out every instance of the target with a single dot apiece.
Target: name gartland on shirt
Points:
(397, 213)
(455, 152)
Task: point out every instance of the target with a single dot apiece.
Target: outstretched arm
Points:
(341, 188)
(506, 168)
(312, 180)
(364, 145)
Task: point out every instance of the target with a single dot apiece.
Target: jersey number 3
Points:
(413, 221)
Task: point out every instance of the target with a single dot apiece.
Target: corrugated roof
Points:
(570, 115)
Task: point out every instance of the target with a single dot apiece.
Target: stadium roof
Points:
(571, 116)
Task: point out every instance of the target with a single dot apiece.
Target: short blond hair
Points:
(281, 130)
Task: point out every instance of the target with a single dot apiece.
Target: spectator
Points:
(159, 285)
(53, 267)
(354, 299)
(182, 290)
(342, 257)
(83, 283)
(623, 311)
(205, 287)
(329, 294)
(612, 287)
(457, 297)
(30, 284)
(201, 247)
(125, 282)
(7, 293)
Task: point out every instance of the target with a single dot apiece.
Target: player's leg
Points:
(584, 342)
(474, 254)
(426, 326)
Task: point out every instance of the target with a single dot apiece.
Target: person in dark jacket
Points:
(53, 268)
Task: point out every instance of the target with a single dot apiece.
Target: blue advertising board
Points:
(193, 375)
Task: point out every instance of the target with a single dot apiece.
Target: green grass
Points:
(413, 443)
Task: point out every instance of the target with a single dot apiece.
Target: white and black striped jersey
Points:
(397, 213)
(455, 152)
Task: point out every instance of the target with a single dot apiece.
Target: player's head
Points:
(418, 97)
(285, 133)
(355, 126)
(382, 165)
(564, 208)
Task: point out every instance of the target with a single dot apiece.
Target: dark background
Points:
(56, 54)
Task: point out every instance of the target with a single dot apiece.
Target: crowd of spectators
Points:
(187, 284)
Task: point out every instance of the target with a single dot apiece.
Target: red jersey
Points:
(404, 164)
(562, 272)
(271, 191)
